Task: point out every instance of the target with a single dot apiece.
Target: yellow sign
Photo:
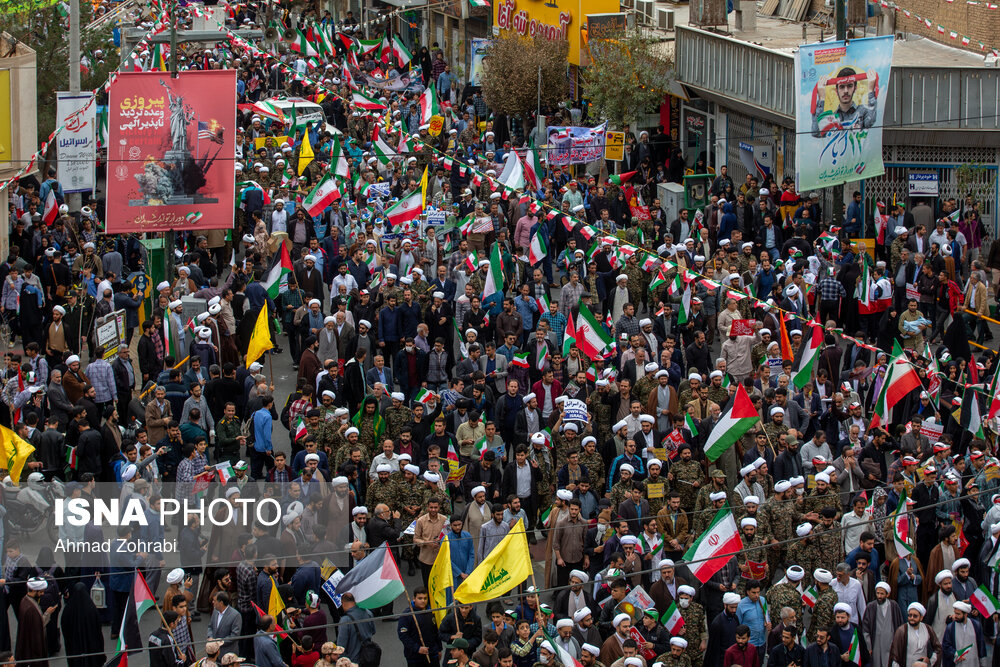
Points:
(6, 116)
(654, 490)
(614, 145)
(549, 20)
(269, 142)
(436, 125)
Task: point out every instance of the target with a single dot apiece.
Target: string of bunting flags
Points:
(953, 34)
(159, 27)
(650, 261)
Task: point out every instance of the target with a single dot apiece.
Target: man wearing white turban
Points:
(914, 642)
(881, 618)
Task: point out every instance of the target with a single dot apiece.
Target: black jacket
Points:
(149, 365)
(508, 485)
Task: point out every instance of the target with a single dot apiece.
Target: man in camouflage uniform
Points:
(691, 393)
(623, 486)
(824, 495)
(653, 467)
(635, 278)
(384, 489)
(822, 612)
(396, 416)
(703, 518)
(716, 484)
(716, 392)
(753, 550)
(776, 429)
(546, 473)
(829, 540)
(645, 384)
(782, 516)
(686, 477)
(564, 441)
(595, 464)
(677, 655)
(599, 404)
(785, 594)
(353, 437)
(410, 496)
(759, 351)
(804, 552)
(695, 629)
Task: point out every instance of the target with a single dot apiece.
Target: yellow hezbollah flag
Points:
(440, 580)
(260, 339)
(16, 451)
(423, 189)
(305, 152)
(275, 605)
(507, 566)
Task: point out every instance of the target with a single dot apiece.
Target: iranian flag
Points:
(901, 528)
(375, 581)
(684, 310)
(901, 378)
(400, 51)
(338, 160)
(672, 619)
(810, 596)
(538, 249)
(563, 657)
(226, 472)
(481, 447)
(739, 419)
(324, 194)
(716, 545)
(867, 303)
(51, 209)
(429, 104)
(810, 356)
(452, 454)
(276, 280)
(591, 337)
(406, 209)
(532, 168)
(480, 3)
(543, 304)
(995, 393)
(494, 276)
(520, 360)
(546, 516)
(962, 653)
(362, 101)
(648, 550)
(854, 650)
(423, 396)
(984, 602)
(300, 429)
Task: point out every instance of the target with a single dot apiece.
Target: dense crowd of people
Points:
(438, 395)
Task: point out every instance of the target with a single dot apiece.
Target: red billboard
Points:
(171, 151)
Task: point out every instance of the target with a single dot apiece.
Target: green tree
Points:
(627, 75)
(46, 31)
(510, 73)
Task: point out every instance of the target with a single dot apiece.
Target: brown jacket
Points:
(74, 383)
(157, 420)
(652, 399)
(673, 530)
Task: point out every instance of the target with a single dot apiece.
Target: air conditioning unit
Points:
(645, 9)
(628, 4)
(664, 18)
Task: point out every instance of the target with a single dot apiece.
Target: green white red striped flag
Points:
(324, 194)
(854, 649)
(591, 337)
(494, 276)
(810, 596)
(672, 619)
(901, 528)
(362, 101)
(537, 250)
(423, 396)
(984, 602)
(429, 105)
(960, 654)
(716, 545)
(406, 209)
(684, 310)
(400, 51)
(731, 426)
(520, 360)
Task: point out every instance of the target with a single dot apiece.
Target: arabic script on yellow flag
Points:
(505, 567)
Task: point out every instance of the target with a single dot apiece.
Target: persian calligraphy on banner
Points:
(171, 149)
(575, 145)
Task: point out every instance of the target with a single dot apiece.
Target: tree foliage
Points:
(510, 73)
(46, 31)
(627, 76)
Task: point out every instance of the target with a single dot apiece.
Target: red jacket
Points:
(746, 657)
(538, 388)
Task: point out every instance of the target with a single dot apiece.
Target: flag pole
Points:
(769, 443)
(416, 623)
(177, 649)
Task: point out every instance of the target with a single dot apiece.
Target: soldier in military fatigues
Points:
(753, 550)
(409, 503)
(782, 517)
(599, 404)
(677, 655)
(656, 504)
(635, 279)
(563, 443)
(830, 541)
(546, 474)
(716, 392)
(717, 483)
(785, 594)
(595, 465)
(804, 553)
(643, 386)
(822, 612)
(686, 477)
(775, 428)
(695, 629)
(824, 495)
(622, 487)
(396, 417)
(382, 490)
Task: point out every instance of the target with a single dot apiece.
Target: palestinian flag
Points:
(684, 310)
(716, 545)
(140, 601)
(569, 337)
(810, 357)
(994, 391)
(423, 396)
(300, 44)
(362, 101)
(169, 339)
(739, 419)
(406, 209)
(520, 360)
(984, 602)
(366, 46)
(71, 460)
(971, 418)
(375, 581)
(676, 285)
(672, 619)
(689, 424)
(591, 337)
(119, 659)
(407, 144)
(658, 281)
(226, 472)
(399, 50)
(382, 150)
(360, 185)
(538, 249)
(429, 104)
(810, 596)
(276, 280)
(494, 276)
(324, 194)
(901, 528)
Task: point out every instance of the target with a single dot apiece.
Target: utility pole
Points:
(838, 190)
(74, 199)
(168, 236)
